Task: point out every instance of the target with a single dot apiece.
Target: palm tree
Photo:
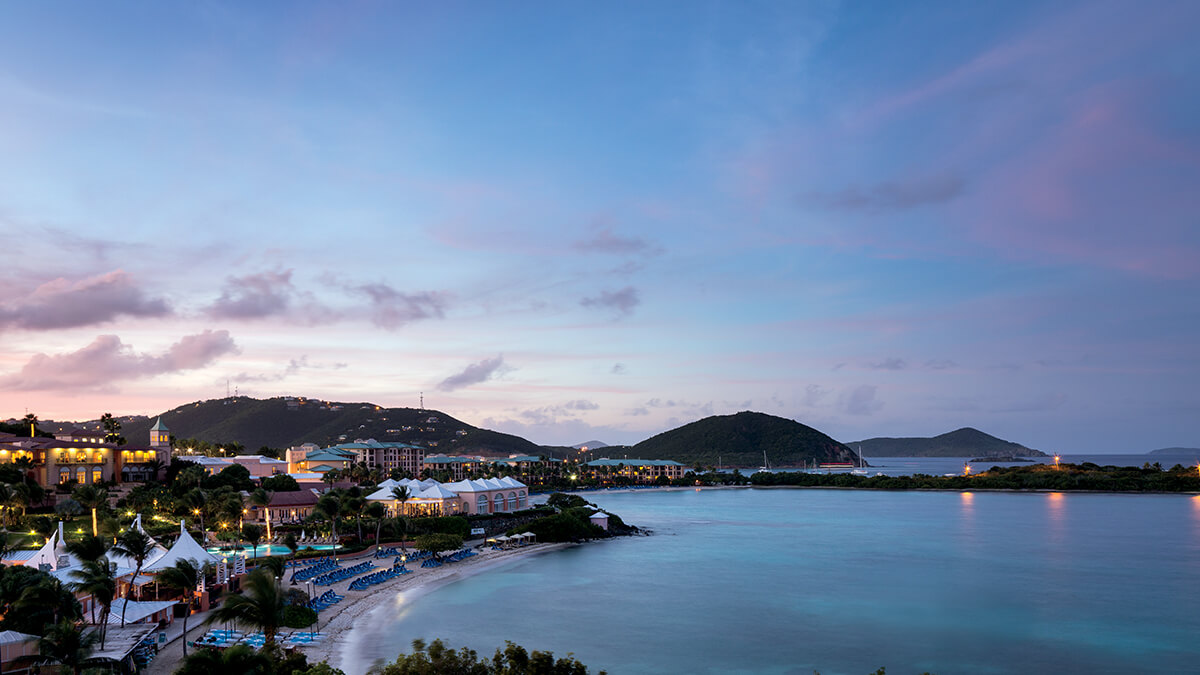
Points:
(375, 511)
(252, 534)
(6, 496)
(289, 540)
(92, 497)
(236, 659)
(185, 576)
(95, 578)
(88, 548)
(26, 494)
(401, 494)
(262, 499)
(259, 606)
(32, 421)
(66, 643)
(330, 507)
(139, 546)
(196, 500)
(47, 596)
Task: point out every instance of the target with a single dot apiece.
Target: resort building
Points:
(309, 458)
(385, 456)
(260, 466)
(53, 461)
(465, 497)
(638, 470)
(458, 467)
(286, 507)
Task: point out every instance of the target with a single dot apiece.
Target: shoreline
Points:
(337, 624)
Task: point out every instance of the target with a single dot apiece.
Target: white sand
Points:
(347, 626)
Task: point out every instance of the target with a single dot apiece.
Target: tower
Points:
(159, 435)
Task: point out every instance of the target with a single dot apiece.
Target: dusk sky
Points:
(576, 221)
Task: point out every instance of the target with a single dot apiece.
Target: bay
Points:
(842, 581)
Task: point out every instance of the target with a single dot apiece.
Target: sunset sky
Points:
(577, 221)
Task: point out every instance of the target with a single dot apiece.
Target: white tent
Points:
(185, 548)
(126, 561)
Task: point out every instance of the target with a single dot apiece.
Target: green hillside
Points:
(966, 442)
(282, 423)
(740, 440)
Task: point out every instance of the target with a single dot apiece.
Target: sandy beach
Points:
(344, 625)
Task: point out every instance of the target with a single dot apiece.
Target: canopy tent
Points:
(184, 548)
(129, 562)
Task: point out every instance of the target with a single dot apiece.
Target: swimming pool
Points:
(266, 551)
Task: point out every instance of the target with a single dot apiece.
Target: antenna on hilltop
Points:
(422, 400)
(227, 387)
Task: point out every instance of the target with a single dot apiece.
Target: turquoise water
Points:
(788, 581)
(265, 551)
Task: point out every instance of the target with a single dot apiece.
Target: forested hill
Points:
(740, 440)
(282, 423)
(966, 442)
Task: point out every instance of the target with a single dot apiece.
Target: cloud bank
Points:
(61, 303)
(475, 373)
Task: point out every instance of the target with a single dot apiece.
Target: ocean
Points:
(841, 581)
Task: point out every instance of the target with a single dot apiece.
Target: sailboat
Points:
(766, 467)
(861, 469)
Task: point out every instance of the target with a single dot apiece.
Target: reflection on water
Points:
(773, 581)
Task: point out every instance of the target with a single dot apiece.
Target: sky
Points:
(600, 221)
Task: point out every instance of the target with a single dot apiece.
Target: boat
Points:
(766, 467)
(862, 465)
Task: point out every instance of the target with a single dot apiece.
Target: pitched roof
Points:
(9, 637)
(294, 498)
(159, 426)
(326, 456)
(184, 548)
(136, 611)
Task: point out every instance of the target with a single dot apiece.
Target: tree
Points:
(375, 511)
(139, 546)
(31, 420)
(289, 540)
(91, 497)
(30, 600)
(66, 643)
(112, 429)
(438, 542)
(512, 660)
(184, 576)
(252, 534)
(260, 605)
(262, 499)
(329, 506)
(88, 548)
(401, 494)
(95, 578)
(237, 659)
(280, 483)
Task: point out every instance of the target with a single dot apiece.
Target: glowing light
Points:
(1056, 458)
(967, 469)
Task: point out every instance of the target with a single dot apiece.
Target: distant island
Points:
(742, 440)
(1174, 451)
(965, 442)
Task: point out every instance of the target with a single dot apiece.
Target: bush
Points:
(298, 616)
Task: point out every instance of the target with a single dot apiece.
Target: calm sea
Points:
(792, 581)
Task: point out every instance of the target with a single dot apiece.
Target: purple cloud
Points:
(621, 301)
(892, 195)
(892, 363)
(604, 241)
(255, 296)
(391, 308)
(108, 360)
(61, 303)
(475, 373)
(861, 400)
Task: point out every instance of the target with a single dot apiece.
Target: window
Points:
(97, 475)
(498, 502)
(482, 504)
(64, 474)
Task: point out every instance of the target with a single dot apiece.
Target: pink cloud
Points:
(62, 303)
(107, 360)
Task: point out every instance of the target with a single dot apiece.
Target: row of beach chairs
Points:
(342, 573)
(324, 601)
(364, 582)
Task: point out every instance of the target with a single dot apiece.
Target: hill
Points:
(591, 445)
(290, 421)
(740, 440)
(1174, 451)
(966, 442)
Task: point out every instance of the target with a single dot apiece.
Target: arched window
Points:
(64, 474)
(512, 501)
(97, 475)
(81, 474)
(498, 502)
(482, 504)
(521, 502)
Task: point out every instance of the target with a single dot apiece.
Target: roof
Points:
(185, 548)
(9, 637)
(159, 426)
(529, 458)
(633, 462)
(443, 459)
(599, 515)
(294, 498)
(437, 492)
(136, 611)
(322, 468)
(325, 456)
(203, 460)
